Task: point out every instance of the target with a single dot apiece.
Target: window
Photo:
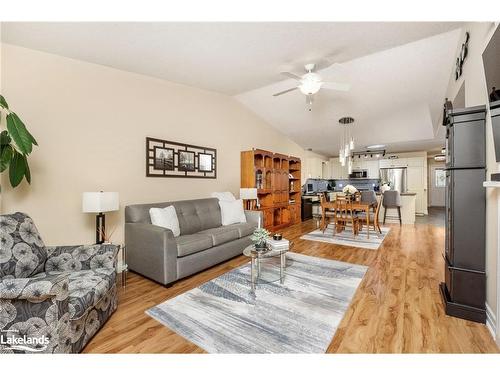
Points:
(439, 178)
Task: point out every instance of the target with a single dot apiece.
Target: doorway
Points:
(437, 184)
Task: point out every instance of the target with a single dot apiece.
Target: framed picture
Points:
(186, 161)
(205, 162)
(164, 158)
(175, 159)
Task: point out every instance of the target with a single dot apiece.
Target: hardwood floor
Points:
(397, 308)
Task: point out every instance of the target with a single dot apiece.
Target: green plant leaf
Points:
(19, 133)
(4, 138)
(3, 102)
(33, 140)
(17, 169)
(5, 157)
(27, 172)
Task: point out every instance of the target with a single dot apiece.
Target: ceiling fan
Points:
(310, 83)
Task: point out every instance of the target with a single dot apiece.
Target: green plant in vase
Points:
(259, 237)
(16, 143)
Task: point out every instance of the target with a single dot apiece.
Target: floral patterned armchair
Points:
(52, 299)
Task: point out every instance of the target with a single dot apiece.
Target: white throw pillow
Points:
(232, 212)
(166, 218)
(224, 196)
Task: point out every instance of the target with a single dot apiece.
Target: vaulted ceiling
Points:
(398, 71)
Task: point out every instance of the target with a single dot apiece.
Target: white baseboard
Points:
(491, 322)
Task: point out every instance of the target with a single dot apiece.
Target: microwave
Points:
(359, 174)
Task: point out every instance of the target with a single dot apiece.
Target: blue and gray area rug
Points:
(345, 238)
(300, 316)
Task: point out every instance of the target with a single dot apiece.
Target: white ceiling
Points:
(396, 99)
(226, 57)
(398, 78)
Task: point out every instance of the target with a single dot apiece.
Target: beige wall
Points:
(91, 122)
(476, 93)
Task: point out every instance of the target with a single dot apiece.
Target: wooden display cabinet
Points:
(277, 178)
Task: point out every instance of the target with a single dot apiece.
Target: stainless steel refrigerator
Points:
(396, 176)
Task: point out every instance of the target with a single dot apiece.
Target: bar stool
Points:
(392, 199)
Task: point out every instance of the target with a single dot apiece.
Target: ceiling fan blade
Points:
(291, 75)
(284, 92)
(336, 86)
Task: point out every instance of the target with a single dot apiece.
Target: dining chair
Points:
(345, 215)
(357, 197)
(368, 196)
(326, 214)
(372, 215)
(392, 199)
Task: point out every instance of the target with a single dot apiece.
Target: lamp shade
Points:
(248, 193)
(100, 201)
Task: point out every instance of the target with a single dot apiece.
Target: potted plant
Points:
(386, 185)
(259, 237)
(349, 190)
(16, 144)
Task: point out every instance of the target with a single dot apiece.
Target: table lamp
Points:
(249, 195)
(100, 202)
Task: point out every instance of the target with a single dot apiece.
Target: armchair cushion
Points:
(37, 288)
(82, 257)
(37, 308)
(87, 288)
(22, 251)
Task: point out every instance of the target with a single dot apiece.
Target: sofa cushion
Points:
(222, 234)
(166, 218)
(22, 251)
(244, 229)
(87, 288)
(193, 243)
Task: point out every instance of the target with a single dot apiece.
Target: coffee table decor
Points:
(299, 316)
(266, 274)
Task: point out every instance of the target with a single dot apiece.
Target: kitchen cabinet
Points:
(373, 169)
(371, 166)
(314, 168)
(392, 163)
(337, 170)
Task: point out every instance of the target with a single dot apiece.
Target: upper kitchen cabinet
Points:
(314, 168)
(393, 163)
(371, 166)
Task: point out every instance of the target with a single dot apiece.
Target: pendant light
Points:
(346, 141)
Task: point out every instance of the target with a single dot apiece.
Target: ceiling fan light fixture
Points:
(310, 84)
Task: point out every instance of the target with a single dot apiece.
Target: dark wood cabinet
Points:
(464, 288)
(277, 178)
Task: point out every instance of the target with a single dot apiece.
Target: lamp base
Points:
(99, 228)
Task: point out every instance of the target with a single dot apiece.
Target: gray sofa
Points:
(154, 252)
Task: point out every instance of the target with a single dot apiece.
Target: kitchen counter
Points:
(408, 201)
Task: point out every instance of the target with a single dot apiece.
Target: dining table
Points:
(356, 206)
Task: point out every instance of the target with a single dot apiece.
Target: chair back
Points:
(368, 196)
(343, 207)
(379, 204)
(391, 199)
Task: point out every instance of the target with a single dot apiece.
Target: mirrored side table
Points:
(122, 267)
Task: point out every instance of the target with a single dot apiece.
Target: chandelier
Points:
(346, 142)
